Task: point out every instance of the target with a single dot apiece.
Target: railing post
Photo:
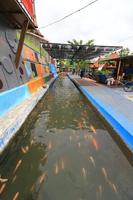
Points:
(21, 42)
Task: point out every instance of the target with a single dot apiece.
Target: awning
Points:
(77, 52)
(16, 12)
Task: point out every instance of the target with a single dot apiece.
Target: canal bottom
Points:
(65, 152)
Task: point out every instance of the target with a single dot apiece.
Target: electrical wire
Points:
(59, 20)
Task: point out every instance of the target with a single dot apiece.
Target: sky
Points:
(108, 22)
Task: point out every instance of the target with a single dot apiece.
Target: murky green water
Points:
(64, 152)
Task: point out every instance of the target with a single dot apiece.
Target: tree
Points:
(124, 52)
(80, 42)
(81, 63)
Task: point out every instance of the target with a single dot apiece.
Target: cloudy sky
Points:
(108, 22)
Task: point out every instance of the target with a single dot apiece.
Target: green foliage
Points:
(80, 64)
(102, 72)
(80, 42)
(124, 52)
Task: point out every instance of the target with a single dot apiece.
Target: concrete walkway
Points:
(14, 119)
(115, 105)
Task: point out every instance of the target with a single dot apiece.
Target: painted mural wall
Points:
(34, 61)
(10, 77)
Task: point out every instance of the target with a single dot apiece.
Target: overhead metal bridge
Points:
(77, 52)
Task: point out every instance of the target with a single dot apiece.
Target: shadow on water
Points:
(64, 151)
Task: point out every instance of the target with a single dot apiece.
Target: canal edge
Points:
(10, 132)
(123, 133)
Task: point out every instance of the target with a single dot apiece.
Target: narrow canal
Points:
(65, 152)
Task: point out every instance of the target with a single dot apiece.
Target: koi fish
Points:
(42, 178)
(16, 196)
(80, 125)
(94, 142)
(17, 166)
(92, 160)
(25, 150)
(62, 165)
(50, 145)
(14, 178)
(84, 172)
(104, 172)
(45, 157)
(2, 188)
(93, 129)
(32, 188)
(31, 142)
(100, 190)
(114, 188)
(56, 169)
(3, 180)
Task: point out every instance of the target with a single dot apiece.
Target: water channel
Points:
(65, 152)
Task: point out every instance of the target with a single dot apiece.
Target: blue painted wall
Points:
(13, 97)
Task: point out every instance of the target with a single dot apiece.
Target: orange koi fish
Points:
(2, 188)
(104, 172)
(25, 150)
(114, 188)
(14, 178)
(42, 178)
(3, 180)
(93, 129)
(84, 172)
(56, 169)
(50, 145)
(94, 142)
(16, 196)
(100, 190)
(92, 160)
(17, 166)
(44, 158)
